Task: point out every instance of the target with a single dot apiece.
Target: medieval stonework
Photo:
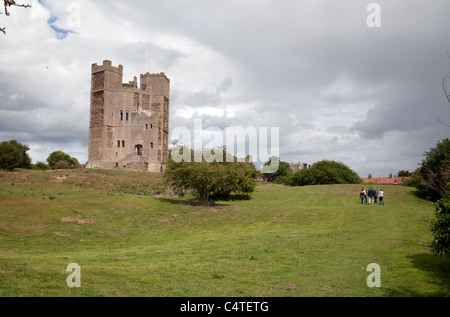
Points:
(299, 166)
(129, 126)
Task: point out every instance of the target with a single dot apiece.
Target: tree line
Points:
(14, 154)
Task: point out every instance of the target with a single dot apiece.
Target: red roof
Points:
(386, 180)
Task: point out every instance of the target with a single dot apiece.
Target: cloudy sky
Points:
(337, 89)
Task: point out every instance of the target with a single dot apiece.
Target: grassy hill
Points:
(132, 240)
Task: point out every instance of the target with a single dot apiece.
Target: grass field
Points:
(130, 239)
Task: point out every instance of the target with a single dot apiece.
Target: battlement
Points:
(131, 84)
(155, 75)
(299, 166)
(107, 65)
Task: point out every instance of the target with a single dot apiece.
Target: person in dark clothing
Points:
(370, 194)
(362, 195)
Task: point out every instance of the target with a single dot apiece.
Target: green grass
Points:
(285, 241)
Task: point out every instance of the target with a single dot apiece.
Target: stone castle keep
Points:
(129, 126)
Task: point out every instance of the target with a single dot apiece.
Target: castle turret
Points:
(104, 79)
(160, 91)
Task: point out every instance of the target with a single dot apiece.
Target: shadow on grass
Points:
(438, 270)
(419, 195)
(196, 202)
(187, 202)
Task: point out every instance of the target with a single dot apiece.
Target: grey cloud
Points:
(224, 86)
(289, 60)
(133, 56)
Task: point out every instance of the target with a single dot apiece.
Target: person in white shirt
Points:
(380, 196)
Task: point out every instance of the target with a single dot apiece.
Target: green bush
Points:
(61, 160)
(325, 172)
(283, 172)
(441, 227)
(41, 166)
(14, 155)
(210, 180)
(431, 179)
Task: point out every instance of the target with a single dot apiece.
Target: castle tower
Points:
(129, 126)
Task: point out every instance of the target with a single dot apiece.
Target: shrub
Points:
(440, 227)
(14, 155)
(41, 166)
(61, 160)
(210, 180)
(433, 176)
(284, 171)
(325, 172)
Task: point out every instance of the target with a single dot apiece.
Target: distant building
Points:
(299, 166)
(391, 180)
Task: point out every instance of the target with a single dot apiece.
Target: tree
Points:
(6, 5)
(403, 173)
(235, 177)
(41, 166)
(440, 227)
(209, 180)
(325, 172)
(416, 181)
(432, 177)
(284, 170)
(14, 155)
(61, 160)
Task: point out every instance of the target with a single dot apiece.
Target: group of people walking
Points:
(371, 196)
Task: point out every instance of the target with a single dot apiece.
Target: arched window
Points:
(121, 115)
(151, 145)
(146, 126)
(118, 143)
(123, 143)
(138, 148)
(151, 125)
(126, 116)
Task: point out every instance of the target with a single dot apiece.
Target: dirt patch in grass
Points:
(291, 286)
(59, 178)
(16, 176)
(221, 208)
(38, 229)
(63, 234)
(79, 221)
(165, 195)
(164, 219)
